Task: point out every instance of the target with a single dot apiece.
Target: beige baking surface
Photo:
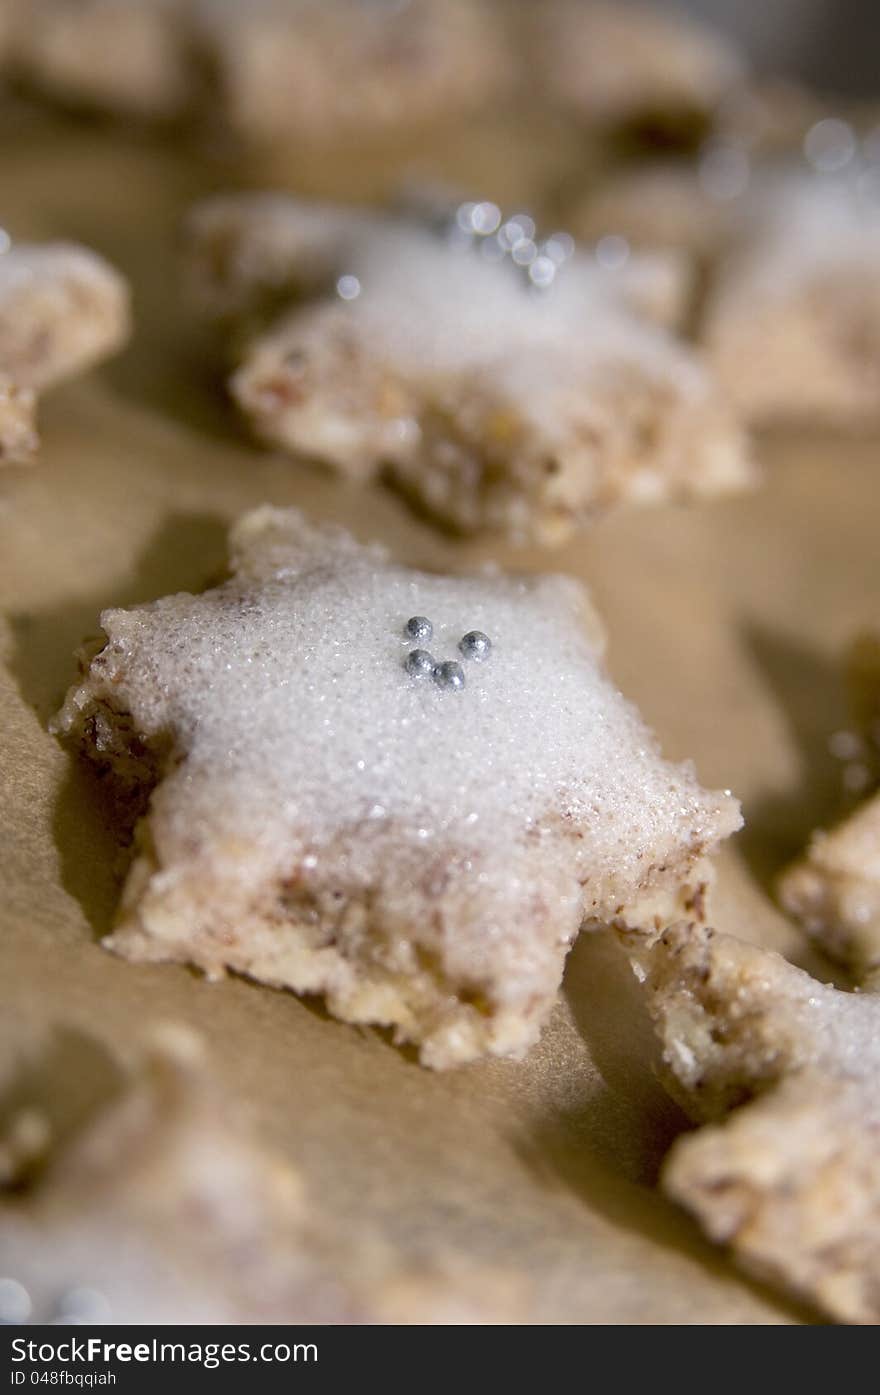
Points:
(725, 625)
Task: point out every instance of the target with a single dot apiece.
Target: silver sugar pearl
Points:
(525, 223)
(485, 219)
(525, 252)
(542, 271)
(559, 247)
(348, 287)
(449, 675)
(510, 234)
(464, 216)
(420, 664)
(418, 627)
(475, 645)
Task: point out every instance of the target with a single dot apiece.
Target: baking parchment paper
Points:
(726, 625)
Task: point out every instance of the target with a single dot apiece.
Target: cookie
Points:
(248, 256)
(834, 889)
(402, 791)
(788, 317)
(636, 69)
(162, 1207)
(787, 1173)
(318, 71)
(792, 319)
(126, 57)
(502, 384)
(62, 308)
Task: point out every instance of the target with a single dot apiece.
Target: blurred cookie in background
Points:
(646, 72)
(127, 57)
(785, 262)
(62, 309)
(264, 70)
(278, 69)
(159, 1205)
(504, 380)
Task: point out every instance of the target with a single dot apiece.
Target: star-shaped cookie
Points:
(418, 841)
(500, 382)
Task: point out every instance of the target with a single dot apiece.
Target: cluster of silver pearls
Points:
(482, 227)
(446, 673)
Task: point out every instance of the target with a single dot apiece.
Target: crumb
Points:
(18, 432)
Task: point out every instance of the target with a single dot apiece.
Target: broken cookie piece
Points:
(415, 830)
(835, 889)
(62, 308)
(500, 383)
(791, 1179)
